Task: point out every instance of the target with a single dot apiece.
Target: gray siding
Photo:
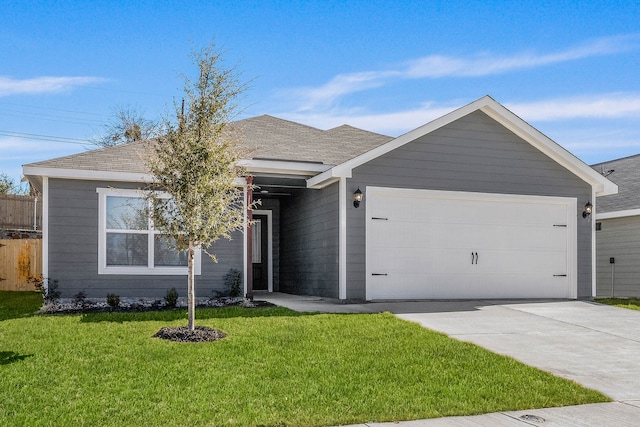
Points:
(73, 250)
(618, 238)
(309, 242)
(475, 154)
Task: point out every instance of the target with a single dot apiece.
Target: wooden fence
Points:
(19, 259)
(19, 212)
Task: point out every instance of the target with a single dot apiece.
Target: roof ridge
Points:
(279, 119)
(616, 160)
(358, 129)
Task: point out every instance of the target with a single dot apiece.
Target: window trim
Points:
(150, 269)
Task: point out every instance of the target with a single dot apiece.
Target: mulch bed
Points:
(102, 307)
(179, 333)
(184, 334)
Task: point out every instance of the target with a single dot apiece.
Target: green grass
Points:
(19, 304)
(630, 303)
(275, 368)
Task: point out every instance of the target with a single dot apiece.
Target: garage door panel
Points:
(442, 261)
(408, 259)
(444, 245)
(460, 286)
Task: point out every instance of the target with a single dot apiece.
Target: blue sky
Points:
(569, 68)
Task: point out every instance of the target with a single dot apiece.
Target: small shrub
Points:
(80, 299)
(50, 292)
(113, 300)
(171, 298)
(233, 283)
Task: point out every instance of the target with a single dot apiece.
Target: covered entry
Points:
(423, 244)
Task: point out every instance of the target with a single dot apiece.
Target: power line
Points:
(54, 109)
(39, 137)
(52, 118)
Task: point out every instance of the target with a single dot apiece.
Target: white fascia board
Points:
(283, 167)
(328, 177)
(618, 214)
(601, 185)
(92, 175)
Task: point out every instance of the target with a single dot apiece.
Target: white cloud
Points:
(11, 86)
(437, 66)
(602, 106)
(441, 66)
(392, 123)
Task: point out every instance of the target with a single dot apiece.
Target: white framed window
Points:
(128, 242)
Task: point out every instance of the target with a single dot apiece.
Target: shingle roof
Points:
(269, 137)
(120, 158)
(265, 137)
(626, 173)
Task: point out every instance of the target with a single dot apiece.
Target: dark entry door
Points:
(260, 249)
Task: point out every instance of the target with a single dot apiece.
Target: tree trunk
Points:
(191, 287)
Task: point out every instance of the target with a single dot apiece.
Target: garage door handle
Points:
(379, 274)
(377, 217)
(474, 258)
(559, 275)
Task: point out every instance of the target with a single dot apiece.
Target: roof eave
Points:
(284, 167)
(85, 174)
(278, 167)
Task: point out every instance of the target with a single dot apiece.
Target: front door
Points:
(260, 255)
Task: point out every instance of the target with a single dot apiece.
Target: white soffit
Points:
(284, 167)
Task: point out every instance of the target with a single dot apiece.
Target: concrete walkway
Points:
(595, 345)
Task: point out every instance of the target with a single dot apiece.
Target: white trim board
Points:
(617, 214)
(269, 215)
(45, 230)
(103, 268)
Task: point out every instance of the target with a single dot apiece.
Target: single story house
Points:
(475, 204)
(618, 230)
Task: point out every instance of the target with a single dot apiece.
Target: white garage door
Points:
(425, 244)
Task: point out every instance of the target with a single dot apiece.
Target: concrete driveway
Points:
(595, 345)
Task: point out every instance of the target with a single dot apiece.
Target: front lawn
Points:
(630, 303)
(275, 368)
(19, 304)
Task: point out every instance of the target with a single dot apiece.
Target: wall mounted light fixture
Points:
(357, 198)
(587, 210)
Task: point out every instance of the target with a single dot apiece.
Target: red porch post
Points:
(249, 271)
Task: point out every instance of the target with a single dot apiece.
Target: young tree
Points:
(195, 164)
(6, 183)
(9, 186)
(127, 125)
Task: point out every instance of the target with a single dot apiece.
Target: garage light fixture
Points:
(587, 210)
(357, 198)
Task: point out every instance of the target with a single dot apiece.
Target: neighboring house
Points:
(475, 204)
(618, 230)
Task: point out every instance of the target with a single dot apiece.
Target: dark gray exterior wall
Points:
(73, 250)
(474, 153)
(309, 242)
(619, 238)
